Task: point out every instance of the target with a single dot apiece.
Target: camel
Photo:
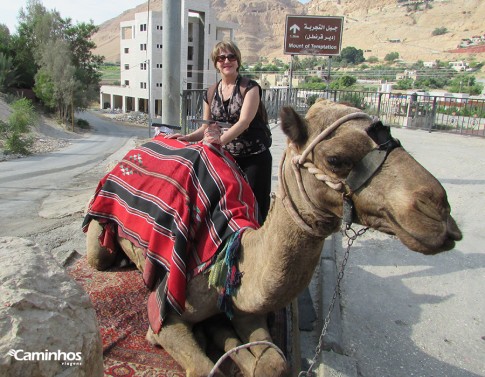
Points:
(322, 179)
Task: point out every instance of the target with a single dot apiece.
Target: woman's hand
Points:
(212, 134)
(176, 136)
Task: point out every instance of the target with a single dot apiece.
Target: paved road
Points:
(25, 183)
(406, 314)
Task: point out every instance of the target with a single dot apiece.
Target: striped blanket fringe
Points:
(224, 274)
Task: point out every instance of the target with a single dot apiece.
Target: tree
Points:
(373, 59)
(351, 55)
(36, 27)
(56, 82)
(343, 82)
(8, 75)
(391, 57)
(405, 84)
(4, 39)
(465, 83)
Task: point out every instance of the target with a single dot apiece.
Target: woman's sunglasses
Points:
(222, 58)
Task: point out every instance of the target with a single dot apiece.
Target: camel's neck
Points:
(278, 261)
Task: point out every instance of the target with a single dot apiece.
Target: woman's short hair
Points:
(226, 46)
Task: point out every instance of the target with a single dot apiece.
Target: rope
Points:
(247, 345)
(297, 162)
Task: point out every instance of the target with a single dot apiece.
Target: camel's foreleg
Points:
(223, 335)
(98, 256)
(253, 328)
(135, 254)
(177, 338)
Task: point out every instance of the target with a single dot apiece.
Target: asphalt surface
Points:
(42, 197)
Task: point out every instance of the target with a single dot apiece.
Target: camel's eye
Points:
(338, 164)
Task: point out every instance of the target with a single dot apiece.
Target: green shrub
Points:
(23, 116)
(82, 123)
(439, 31)
(16, 143)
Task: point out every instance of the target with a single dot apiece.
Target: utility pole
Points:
(171, 20)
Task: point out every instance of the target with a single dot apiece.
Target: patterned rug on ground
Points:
(119, 298)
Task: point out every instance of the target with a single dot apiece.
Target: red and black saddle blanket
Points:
(180, 203)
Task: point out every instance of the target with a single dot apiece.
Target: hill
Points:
(375, 26)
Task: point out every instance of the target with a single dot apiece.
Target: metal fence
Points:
(433, 113)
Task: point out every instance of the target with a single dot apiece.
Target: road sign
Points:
(313, 35)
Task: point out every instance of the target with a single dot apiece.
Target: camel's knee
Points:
(98, 257)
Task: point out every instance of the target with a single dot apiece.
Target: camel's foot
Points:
(177, 338)
(268, 361)
(219, 329)
(98, 257)
(254, 361)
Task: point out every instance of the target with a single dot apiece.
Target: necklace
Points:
(227, 89)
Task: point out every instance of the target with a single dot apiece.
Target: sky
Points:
(78, 10)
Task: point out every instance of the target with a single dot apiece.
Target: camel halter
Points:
(357, 177)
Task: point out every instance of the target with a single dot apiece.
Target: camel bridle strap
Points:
(298, 161)
(357, 177)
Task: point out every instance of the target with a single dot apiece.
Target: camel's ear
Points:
(294, 126)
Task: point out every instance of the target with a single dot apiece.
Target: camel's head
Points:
(390, 191)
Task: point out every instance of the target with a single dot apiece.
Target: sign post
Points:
(313, 35)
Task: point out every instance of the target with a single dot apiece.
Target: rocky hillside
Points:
(375, 26)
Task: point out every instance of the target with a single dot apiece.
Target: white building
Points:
(141, 56)
(459, 66)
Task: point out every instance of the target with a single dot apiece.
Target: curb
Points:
(314, 304)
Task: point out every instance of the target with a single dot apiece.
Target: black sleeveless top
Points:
(257, 137)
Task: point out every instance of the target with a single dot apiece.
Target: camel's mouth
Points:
(439, 237)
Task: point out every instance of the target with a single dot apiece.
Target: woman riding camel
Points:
(237, 100)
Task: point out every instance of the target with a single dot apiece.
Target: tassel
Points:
(224, 274)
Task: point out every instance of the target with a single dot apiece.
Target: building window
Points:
(189, 70)
(127, 50)
(143, 27)
(143, 47)
(126, 32)
(127, 82)
(143, 85)
(190, 53)
(191, 32)
(127, 67)
(189, 86)
(159, 65)
(143, 66)
(159, 46)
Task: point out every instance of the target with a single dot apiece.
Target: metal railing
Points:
(433, 113)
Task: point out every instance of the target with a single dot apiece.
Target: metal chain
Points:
(351, 235)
